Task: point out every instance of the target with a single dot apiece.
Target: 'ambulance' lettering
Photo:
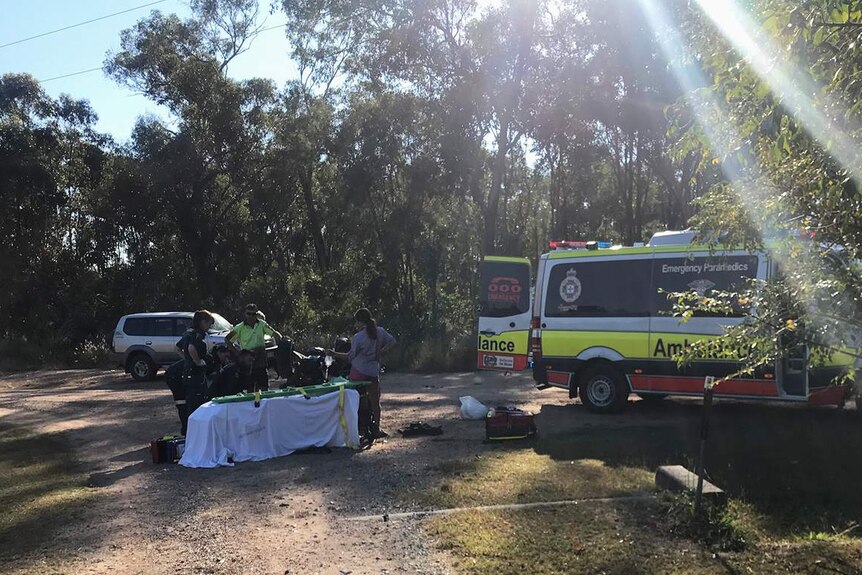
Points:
(663, 349)
(497, 345)
(720, 351)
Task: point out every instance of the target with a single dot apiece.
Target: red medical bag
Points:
(504, 423)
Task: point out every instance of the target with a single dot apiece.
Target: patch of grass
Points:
(587, 538)
(617, 539)
(41, 491)
(523, 476)
(723, 528)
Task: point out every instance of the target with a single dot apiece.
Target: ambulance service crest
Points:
(570, 288)
(700, 286)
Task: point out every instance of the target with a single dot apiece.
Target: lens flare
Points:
(797, 92)
(724, 141)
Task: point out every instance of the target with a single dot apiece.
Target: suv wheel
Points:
(602, 389)
(142, 367)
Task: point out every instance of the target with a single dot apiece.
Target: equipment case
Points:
(508, 422)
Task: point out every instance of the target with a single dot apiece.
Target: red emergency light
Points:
(567, 245)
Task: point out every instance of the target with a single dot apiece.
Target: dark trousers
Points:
(369, 407)
(260, 379)
(183, 415)
(374, 403)
(195, 384)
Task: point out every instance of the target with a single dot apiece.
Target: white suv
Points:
(143, 342)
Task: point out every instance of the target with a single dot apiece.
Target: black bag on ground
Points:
(284, 358)
(509, 423)
(342, 345)
(310, 371)
(167, 449)
(339, 367)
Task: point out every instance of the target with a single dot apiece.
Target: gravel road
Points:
(279, 516)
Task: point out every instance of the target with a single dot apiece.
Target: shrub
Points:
(715, 526)
(93, 352)
(442, 356)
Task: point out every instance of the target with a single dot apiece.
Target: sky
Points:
(84, 47)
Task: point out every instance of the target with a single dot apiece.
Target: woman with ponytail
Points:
(366, 348)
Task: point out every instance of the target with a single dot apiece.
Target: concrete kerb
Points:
(501, 507)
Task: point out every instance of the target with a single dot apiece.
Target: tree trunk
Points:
(499, 169)
(314, 221)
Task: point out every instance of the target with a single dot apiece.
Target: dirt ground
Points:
(287, 515)
(277, 516)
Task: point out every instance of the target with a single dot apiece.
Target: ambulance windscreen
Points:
(504, 289)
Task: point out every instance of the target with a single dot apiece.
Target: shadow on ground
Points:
(42, 489)
(797, 465)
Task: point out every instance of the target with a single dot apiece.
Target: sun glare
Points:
(793, 87)
(795, 90)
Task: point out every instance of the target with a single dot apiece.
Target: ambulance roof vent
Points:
(672, 238)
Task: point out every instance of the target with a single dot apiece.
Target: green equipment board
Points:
(309, 391)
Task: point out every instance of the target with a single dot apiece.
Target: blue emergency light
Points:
(580, 245)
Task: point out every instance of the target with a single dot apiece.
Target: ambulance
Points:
(598, 325)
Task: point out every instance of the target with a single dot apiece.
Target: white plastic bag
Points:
(472, 408)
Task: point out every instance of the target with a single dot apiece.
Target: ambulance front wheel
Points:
(603, 389)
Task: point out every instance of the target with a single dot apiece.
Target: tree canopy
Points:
(418, 136)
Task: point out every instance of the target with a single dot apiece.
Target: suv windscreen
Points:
(221, 324)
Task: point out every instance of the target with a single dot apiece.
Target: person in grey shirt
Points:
(366, 347)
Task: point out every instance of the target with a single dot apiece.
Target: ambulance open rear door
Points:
(504, 313)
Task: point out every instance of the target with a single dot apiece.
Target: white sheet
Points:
(280, 426)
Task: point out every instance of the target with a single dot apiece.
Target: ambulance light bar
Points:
(568, 245)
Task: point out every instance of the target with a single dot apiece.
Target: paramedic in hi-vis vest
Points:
(364, 356)
(249, 334)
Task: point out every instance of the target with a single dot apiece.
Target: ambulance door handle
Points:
(488, 332)
(512, 324)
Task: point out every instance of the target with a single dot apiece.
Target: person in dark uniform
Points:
(174, 379)
(194, 348)
(217, 359)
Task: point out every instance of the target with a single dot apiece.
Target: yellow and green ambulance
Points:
(597, 323)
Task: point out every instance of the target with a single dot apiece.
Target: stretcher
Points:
(309, 391)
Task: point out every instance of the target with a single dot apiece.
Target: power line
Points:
(89, 70)
(80, 24)
(72, 74)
